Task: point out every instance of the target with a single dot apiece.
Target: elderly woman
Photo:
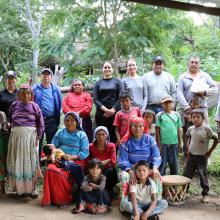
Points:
(105, 151)
(135, 147)
(7, 97)
(27, 127)
(105, 96)
(58, 183)
(77, 100)
(134, 84)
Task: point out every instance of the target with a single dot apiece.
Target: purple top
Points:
(22, 114)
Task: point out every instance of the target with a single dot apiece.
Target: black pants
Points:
(108, 123)
(198, 163)
(111, 178)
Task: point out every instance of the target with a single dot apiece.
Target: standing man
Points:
(157, 84)
(205, 87)
(8, 95)
(48, 96)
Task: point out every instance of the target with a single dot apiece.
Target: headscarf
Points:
(134, 120)
(76, 117)
(98, 129)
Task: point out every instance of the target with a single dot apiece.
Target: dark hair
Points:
(148, 111)
(95, 162)
(195, 99)
(198, 111)
(47, 151)
(125, 94)
(142, 163)
(77, 80)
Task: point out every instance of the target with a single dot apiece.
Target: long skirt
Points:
(58, 185)
(22, 160)
(87, 127)
(94, 201)
(3, 154)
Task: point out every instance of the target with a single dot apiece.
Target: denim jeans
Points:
(161, 205)
(169, 154)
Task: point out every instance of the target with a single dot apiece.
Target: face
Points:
(197, 119)
(142, 172)
(131, 67)
(158, 67)
(137, 129)
(168, 106)
(149, 118)
(70, 123)
(25, 95)
(194, 64)
(107, 70)
(95, 171)
(126, 103)
(101, 136)
(11, 81)
(46, 78)
(194, 105)
(78, 87)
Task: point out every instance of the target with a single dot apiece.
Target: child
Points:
(198, 150)
(143, 202)
(168, 134)
(93, 196)
(122, 118)
(57, 156)
(149, 118)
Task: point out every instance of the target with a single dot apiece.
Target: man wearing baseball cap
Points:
(48, 96)
(157, 84)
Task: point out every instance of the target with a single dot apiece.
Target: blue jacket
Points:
(37, 89)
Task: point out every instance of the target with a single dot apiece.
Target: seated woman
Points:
(77, 100)
(105, 151)
(58, 183)
(135, 147)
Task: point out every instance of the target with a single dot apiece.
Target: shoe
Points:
(205, 199)
(34, 194)
(153, 217)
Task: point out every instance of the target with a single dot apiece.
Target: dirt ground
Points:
(193, 209)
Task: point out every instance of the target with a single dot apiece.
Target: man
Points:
(8, 95)
(185, 93)
(157, 84)
(47, 95)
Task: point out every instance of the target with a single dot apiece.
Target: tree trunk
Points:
(36, 53)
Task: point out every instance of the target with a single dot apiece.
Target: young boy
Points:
(122, 118)
(168, 134)
(198, 150)
(149, 118)
(143, 202)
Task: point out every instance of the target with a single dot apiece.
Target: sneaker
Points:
(205, 199)
(34, 194)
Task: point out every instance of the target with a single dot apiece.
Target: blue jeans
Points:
(169, 154)
(161, 205)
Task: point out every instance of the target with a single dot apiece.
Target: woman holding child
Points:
(74, 143)
(136, 146)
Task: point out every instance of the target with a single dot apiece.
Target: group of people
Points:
(136, 125)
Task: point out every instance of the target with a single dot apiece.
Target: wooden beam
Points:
(181, 6)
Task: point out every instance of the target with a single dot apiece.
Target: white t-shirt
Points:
(143, 191)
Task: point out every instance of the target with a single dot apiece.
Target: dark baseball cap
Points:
(11, 74)
(47, 70)
(158, 59)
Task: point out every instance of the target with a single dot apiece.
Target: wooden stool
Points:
(175, 188)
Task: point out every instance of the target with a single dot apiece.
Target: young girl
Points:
(149, 118)
(27, 126)
(143, 202)
(93, 196)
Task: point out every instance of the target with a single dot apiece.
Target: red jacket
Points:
(81, 103)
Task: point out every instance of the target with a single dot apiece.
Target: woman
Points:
(7, 97)
(58, 183)
(105, 151)
(135, 147)
(105, 96)
(77, 100)
(134, 84)
(27, 127)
